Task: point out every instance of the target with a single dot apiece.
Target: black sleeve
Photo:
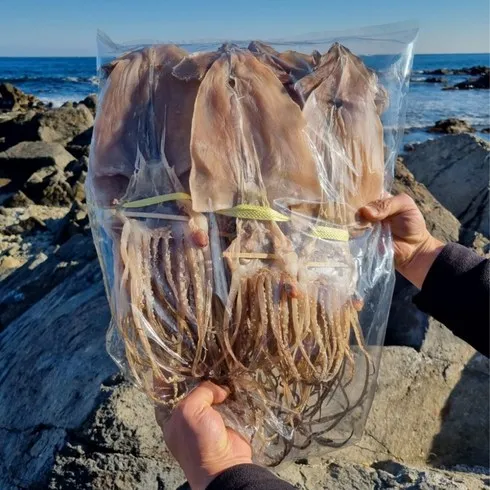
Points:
(248, 477)
(456, 293)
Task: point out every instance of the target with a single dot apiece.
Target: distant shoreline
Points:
(95, 56)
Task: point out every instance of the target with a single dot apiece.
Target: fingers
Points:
(384, 208)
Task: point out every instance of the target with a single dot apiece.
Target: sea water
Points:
(58, 80)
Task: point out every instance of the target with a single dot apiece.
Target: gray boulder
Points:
(421, 411)
(481, 82)
(16, 128)
(435, 80)
(451, 126)
(30, 283)
(455, 169)
(63, 124)
(74, 223)
(91, 102)
(23, 159)
(342, 475)
(53, 361)
(15, 199)
(13, 99)
(80, 145)
(48, 186)
(119, 446)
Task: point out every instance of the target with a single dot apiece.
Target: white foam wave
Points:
(57, 100)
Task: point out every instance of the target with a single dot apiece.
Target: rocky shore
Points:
(479, 77)
(68, 420)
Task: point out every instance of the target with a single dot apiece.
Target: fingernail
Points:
(372, 209)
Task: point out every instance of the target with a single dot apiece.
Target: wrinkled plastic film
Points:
(224, 186)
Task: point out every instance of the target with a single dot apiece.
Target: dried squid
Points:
(162, 267)
(229, 183)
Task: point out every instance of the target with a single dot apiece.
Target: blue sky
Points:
(68, 27)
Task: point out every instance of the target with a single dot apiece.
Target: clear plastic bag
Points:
(224, 184)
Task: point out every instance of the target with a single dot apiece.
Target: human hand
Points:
(197, 437)
(415, 248)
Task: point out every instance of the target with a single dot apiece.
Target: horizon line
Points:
(95, 56)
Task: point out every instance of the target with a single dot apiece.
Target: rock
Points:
(421, 412)
(76, 221)
(435, 80)
(25, 227)
(16, 200)
(4, 183)
(17, 128)
(91, 102)
(22, 160)
(120, 446)
(49, 187)
(78, 151)
(451, 126)
(473, 71)
(479, 243)
(407, 325)
(13, 99)
(83, 139)
(486, 130)
(8, 262)
(80, 145)
(342, 475)
(482, 82)
(77, 167)
(76, 173)
(438, 71)
(63, 124)
(53, 361)
(29, 284)
(455, 170)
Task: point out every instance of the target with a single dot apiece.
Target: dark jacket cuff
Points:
(248, 477)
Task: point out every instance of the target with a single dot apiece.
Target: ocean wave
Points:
(93, 80)
(58, 101)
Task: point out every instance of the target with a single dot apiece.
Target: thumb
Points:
(206, 394)
(383, 208)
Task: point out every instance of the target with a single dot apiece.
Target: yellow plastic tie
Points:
(328, 233)
(252, 211)
(150, 201)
